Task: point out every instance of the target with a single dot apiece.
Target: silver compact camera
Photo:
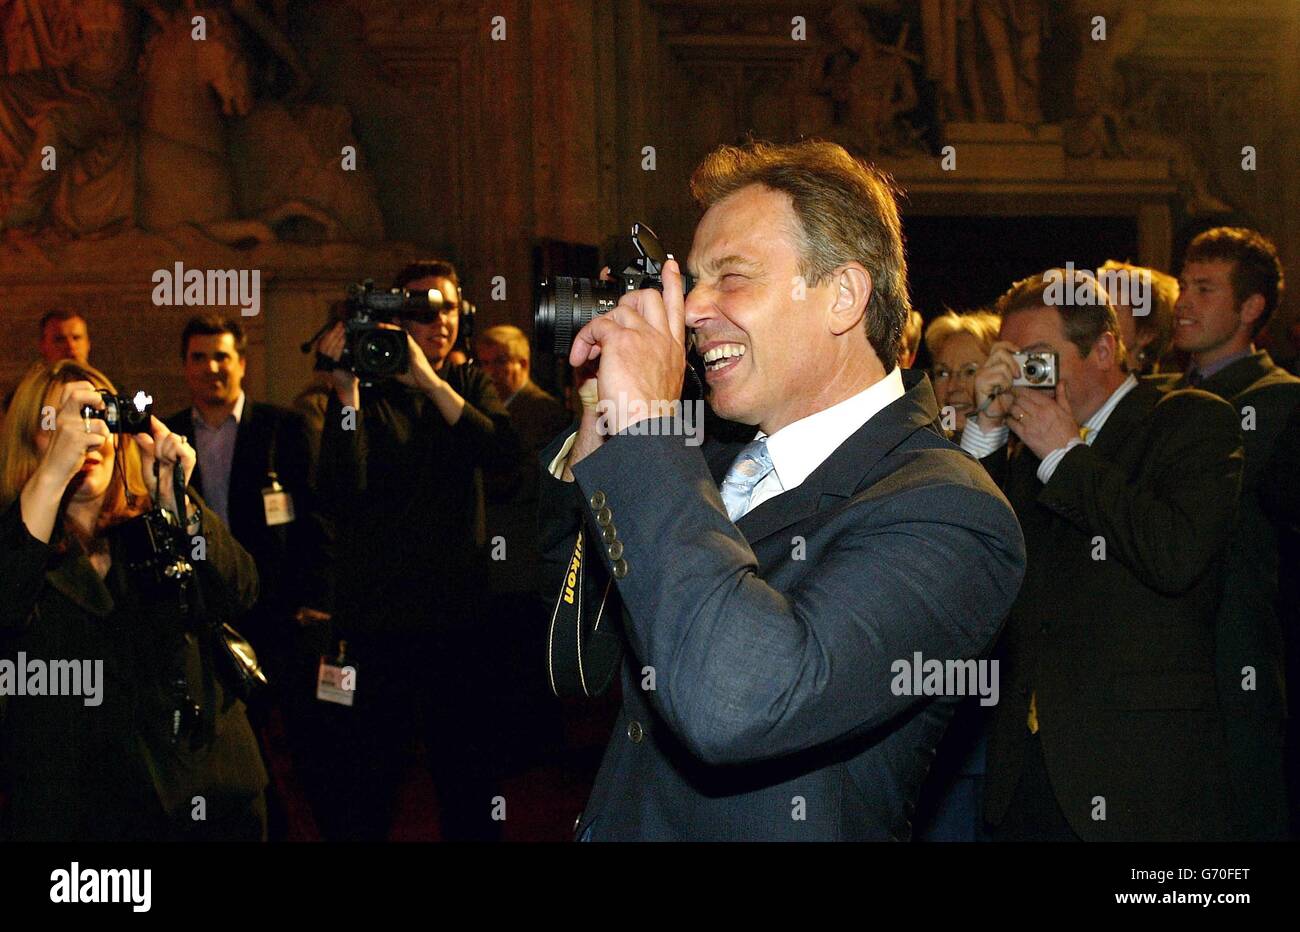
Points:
(1037, 370)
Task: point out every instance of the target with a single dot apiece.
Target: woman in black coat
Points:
(118, 723)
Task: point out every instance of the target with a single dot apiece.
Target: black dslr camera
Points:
(123, 414)
(565, 306)
(155, 546)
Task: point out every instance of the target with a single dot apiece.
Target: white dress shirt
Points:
(979, 443)
(800, 447)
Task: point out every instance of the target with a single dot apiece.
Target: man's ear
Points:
(853, 287)
(1251, 309)
(1106, 351)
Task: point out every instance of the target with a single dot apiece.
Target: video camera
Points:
(375, 346)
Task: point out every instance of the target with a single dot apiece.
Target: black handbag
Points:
(239, 663)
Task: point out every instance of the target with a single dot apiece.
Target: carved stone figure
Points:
(870, 84)
(1107, 122)
(88, 144)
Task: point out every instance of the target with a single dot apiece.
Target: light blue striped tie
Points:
(745, 473)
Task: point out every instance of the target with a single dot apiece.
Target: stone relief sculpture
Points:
(1011, 31)
(1108, 122)
(868, 83)
(115, 115)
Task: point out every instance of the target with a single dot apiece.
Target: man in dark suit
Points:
(1127, 492)
(254, 467)
(1231, 284)
(770, 625)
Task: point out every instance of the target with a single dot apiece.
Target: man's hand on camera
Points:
(346, 384)
(641, 346)
(993, 380)
(1045, 423)
(420, 373)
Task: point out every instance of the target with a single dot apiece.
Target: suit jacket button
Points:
(609, 533)
(615, 550)
(635, 731)
(597, 502)
(620, 569)
(604, 516)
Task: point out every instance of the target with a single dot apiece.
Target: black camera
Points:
(373, 350)
(565, 306)
(123, 414)
(155, 547)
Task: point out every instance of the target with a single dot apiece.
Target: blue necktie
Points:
(745, 473)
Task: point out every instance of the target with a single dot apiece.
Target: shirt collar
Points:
(1216, 367)
(1094, 424)
(799, 448)
(237, 414)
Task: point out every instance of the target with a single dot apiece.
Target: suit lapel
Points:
(1128, 414)
(77, 580)
(846, 469)
(243, 468)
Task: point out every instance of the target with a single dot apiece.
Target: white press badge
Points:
(336, 680)
(277, 503)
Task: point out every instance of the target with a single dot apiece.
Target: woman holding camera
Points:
(119, 725)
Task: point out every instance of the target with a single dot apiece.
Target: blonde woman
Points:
(958, 345)
(122, 728)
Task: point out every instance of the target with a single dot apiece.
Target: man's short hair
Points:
(1084, 320)
(1256, 268)
(981, 324)
(1164, 295)
(213, 325)
(427, 268)
(60, 315)
(847, 212)
(510, 338)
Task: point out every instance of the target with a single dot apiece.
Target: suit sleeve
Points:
(343, 453)
(1280, 488)
(484, 425)
(226, 569)
(744, 672)
(1169, 525)
(24, 559)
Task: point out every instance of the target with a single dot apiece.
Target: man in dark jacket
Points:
(1231, 284)
(779, 593)
(1109, 728)
(397, 476)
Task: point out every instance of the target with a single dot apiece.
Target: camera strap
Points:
(583, 645)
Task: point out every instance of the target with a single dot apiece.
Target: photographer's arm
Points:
(484, 426)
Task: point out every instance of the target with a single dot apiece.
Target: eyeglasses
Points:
(965, 374)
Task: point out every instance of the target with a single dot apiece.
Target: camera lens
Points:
(1034, 370)
(565, 306)
(379, 352)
